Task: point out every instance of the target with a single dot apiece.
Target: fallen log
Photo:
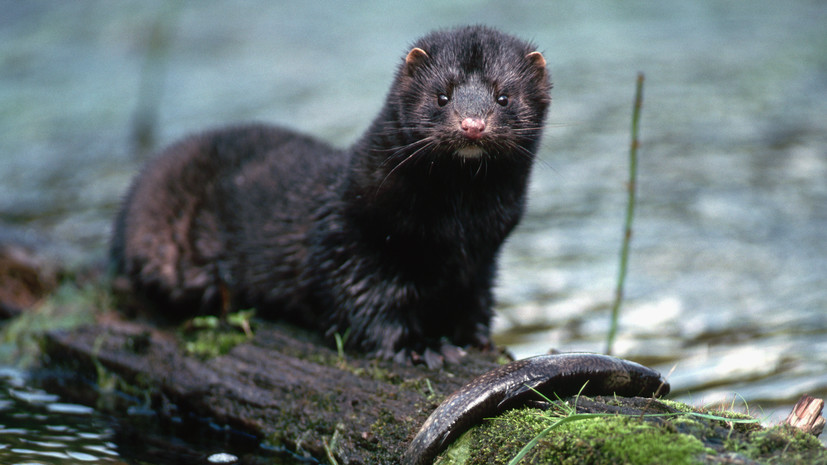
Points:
(281, 386)
(287, 389)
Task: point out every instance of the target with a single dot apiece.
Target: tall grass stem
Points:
(630, 213)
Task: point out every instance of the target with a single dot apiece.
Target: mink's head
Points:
(471, 92)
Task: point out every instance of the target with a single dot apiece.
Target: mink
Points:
(392, 242)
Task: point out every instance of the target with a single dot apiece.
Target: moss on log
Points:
(281, 386)
(286, 388)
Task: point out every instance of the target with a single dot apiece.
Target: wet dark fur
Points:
(395, 239)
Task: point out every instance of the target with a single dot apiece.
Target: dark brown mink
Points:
(393, 241)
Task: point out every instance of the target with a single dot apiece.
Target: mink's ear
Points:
(537, 59)
(537, 65)
(415, 58)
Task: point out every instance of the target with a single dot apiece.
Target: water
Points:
(729, 257)
(35, 428)
(40, 428)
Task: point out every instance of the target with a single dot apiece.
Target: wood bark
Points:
(282, 386)
(806, 415)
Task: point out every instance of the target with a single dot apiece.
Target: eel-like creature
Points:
(514, 384)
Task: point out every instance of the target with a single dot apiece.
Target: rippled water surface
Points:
(728, 272)
(36, 428)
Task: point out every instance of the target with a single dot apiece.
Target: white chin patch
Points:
(471, 151)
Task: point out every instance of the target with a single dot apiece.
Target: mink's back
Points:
(180, 220)
(269, 209)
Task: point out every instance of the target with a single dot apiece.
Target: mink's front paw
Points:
(446, 354)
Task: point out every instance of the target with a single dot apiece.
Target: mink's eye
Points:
(502, 100)
(442, 100)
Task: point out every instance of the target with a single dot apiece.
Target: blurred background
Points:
(728, 269)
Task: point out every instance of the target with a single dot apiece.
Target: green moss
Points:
(208, 344)
(594, 440)
(68, 307)
(687, 437)
(500, 438)
(386, 425)
(679, 406)
(636, 442)
(115, 394)
(783, 444)
(210, 336)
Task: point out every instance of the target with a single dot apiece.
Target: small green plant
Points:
(241, 319)
(330, 446)
(569, 414)
(341, 339)
(211, 336)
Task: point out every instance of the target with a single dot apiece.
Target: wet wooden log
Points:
(285, 387)
(806, 415)
(282, 386)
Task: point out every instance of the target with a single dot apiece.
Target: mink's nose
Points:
(473, 127)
